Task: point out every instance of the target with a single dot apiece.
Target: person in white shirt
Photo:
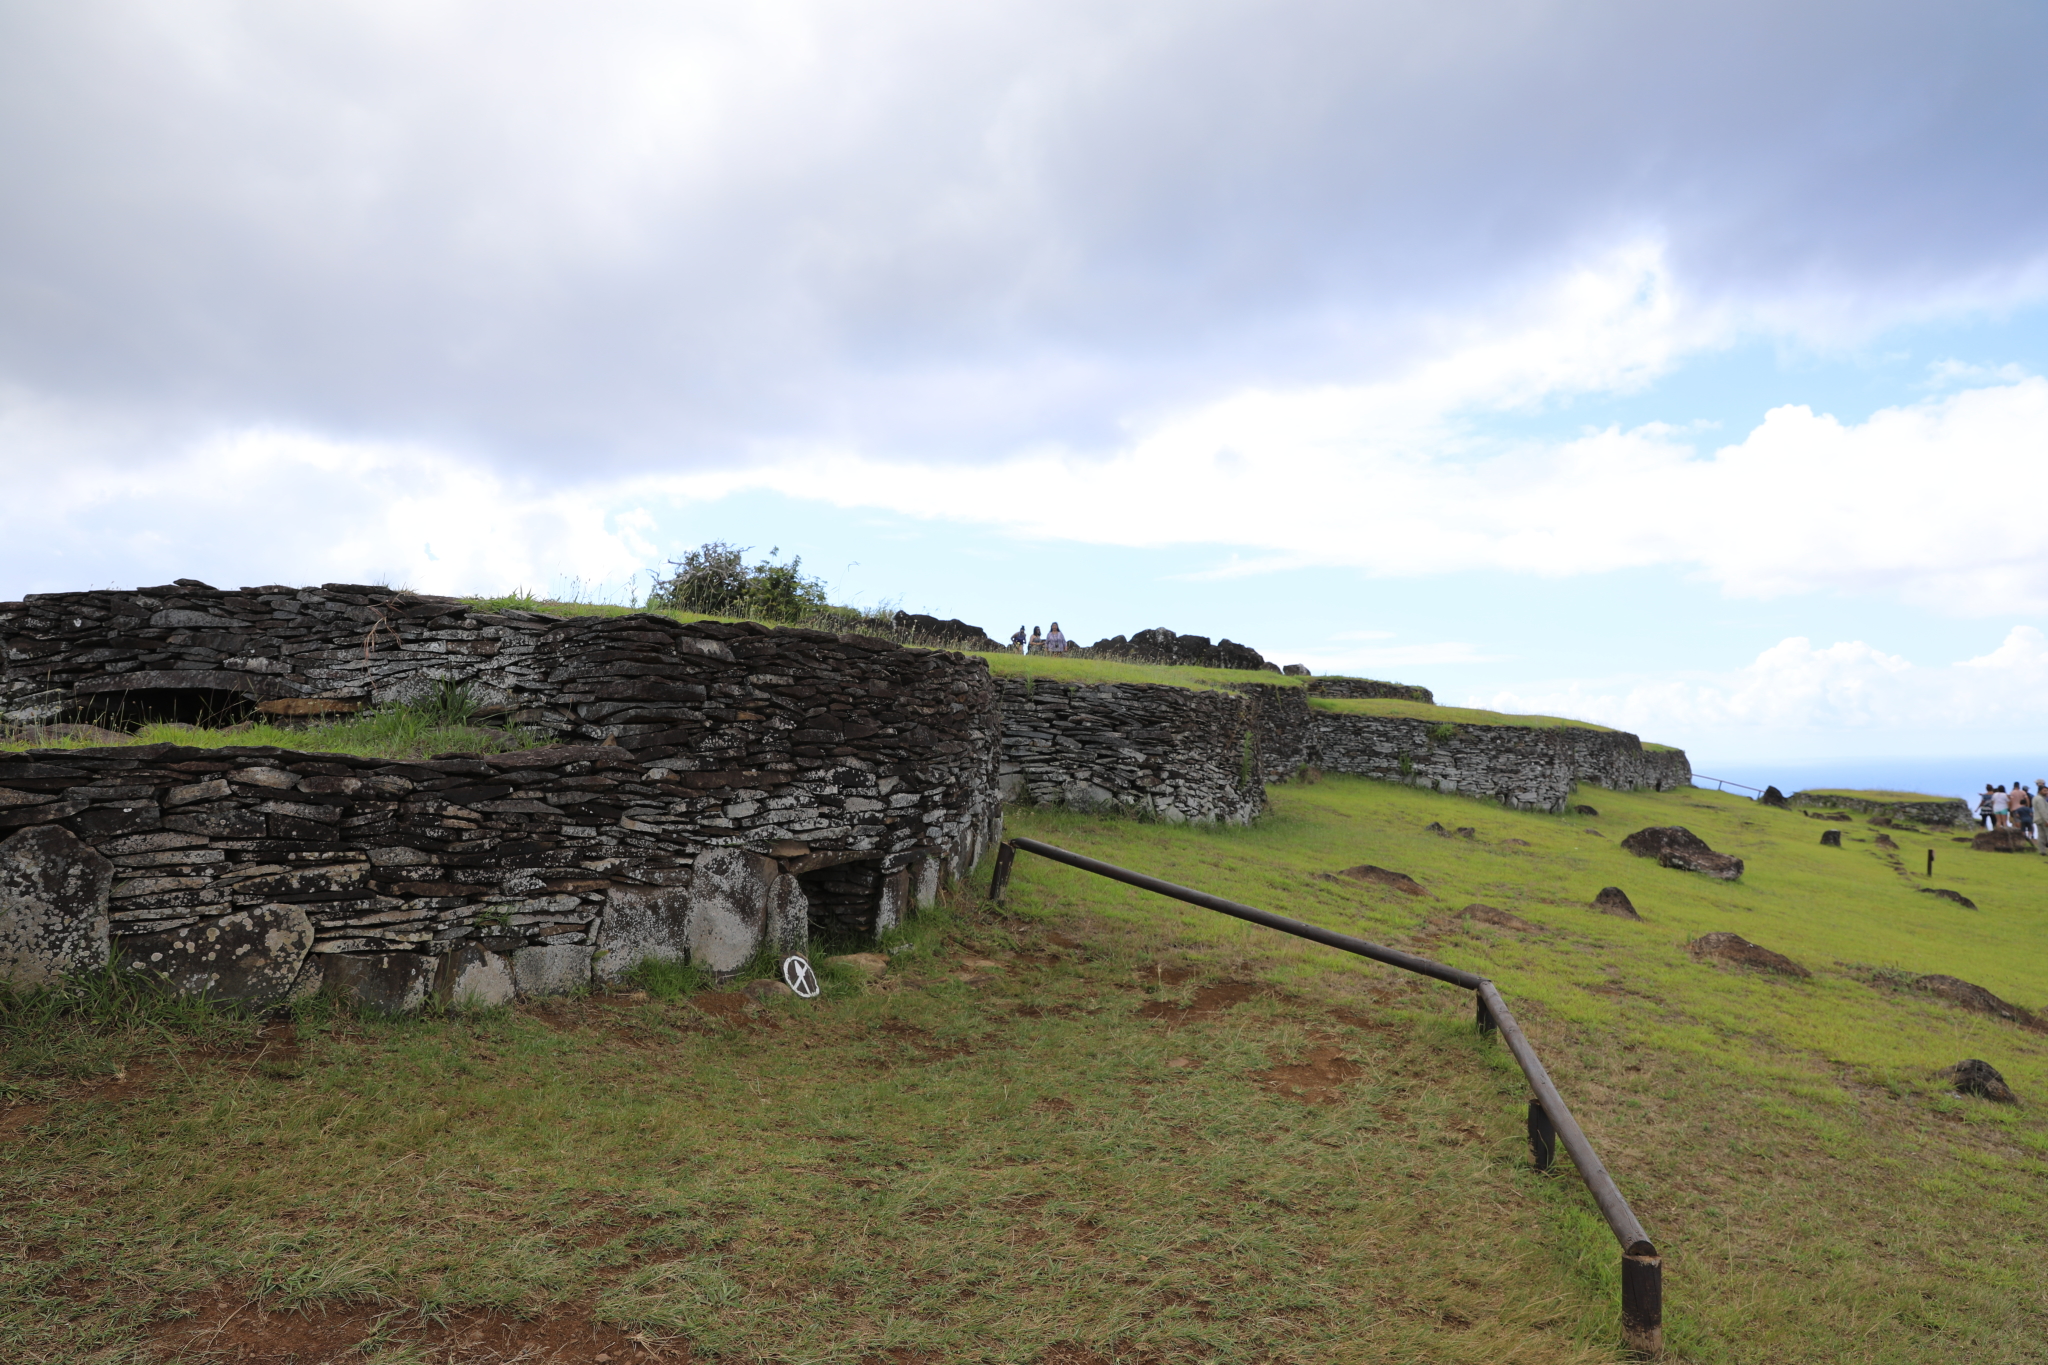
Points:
(2001, 806)
(1055, 641)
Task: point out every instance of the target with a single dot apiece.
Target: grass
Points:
(1453, 715)
(1873, 795)
(1016, 1146)
(396, 732)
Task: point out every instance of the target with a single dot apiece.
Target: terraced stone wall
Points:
(1170, 753)
(711, 773)
(1523, 768)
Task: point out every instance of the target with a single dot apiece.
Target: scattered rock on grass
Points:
(1885, 841)
(2002, 841)
(1739, 951)
(1773, 797)
(1973, 997)
(1436, 827)
(1400, 881)
(1958, 897)
(767, 988)
(1980, 1078)
(1612, 900)
(1831, 838)
(1677, 847)
(1584, 810)
(1500, 919)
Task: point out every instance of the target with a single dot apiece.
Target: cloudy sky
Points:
(1679, 366)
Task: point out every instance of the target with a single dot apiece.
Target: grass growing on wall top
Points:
(1456, 715)
(395, 732)
(1061, 668)
(1873, 795)
(1018, 1146)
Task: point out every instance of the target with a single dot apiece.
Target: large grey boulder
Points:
(730, 905)
(471, 977)
(251, 956)
(556, 969)
(392, 983)
(53, 907)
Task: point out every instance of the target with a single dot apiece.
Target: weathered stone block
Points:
(394, 983)
(642, 923)
(251, 956)
(554, 970)
(729, 903)
(53, 907)
(470, 977)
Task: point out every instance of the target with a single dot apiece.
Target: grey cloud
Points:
(623, 236)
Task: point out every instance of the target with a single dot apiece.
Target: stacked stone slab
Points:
(93, 655)
(1368, 689)
(708, 773)
(1949, 811)
(1170, 753)
(1522, 767)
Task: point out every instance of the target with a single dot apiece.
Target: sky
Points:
(1681, 367)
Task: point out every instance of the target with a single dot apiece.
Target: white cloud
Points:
(1796, 689)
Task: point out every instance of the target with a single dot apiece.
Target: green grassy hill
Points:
(1097, 1125)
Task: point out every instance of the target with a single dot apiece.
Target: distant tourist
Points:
(2001, 808)
(1984, 806)
(1037, 642)
(2022, 809)
(1017, 640)
(1055, 641)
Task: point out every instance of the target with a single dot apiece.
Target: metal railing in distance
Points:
(1723, 784)
(1550, 1121)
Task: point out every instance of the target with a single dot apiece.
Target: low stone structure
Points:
(1949, 811)
(719, 788)
(1171, 753)
(1521, 767)
(1162, 646)
(1368, 689)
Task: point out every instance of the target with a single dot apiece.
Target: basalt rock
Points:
(1831, 838)
(1980, 1078)
(1674, 846)
(1958, 897)
(53, 905)
(2002, 841)
(1162, 646)
(1738, 951)
(251, 957)
(1976, 999)
(1399, 881)
(1612, 900)
(1773, 797)
(1584, 810)
(915, 628)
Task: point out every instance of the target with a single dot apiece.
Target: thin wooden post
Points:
(1930, 864)
(1542, 1137)
(1006, 853)
(1642, 1300)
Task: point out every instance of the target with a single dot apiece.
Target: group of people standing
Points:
(1052, 642)
(2002, 809)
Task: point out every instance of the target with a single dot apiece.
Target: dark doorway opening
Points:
(132, 709)
(844, 899)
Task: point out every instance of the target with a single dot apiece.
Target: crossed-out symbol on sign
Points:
(797, 974)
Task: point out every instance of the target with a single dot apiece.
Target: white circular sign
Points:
(798, 976)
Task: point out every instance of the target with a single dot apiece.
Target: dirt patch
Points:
(232, 1329)
(1384, 876)
(1357, 1020)
(1172, 976)
(17, 1119)
(1499, 919)
(727, 1006)
(1208, 1002)
(1739, 951)
(1975, 998)
(928, 1048)
(1064, 941)
(1053, 1105)
(1313, 1080)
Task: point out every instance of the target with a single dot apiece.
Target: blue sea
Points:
(1963, 777)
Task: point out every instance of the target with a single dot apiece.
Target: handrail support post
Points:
(1006, 854)
(1542, 1138)
(1642, 1301)
(1482, 1017)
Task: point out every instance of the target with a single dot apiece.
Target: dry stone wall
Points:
(1165, 752)
(707, 779)
(1522, 767)
(1367, 689)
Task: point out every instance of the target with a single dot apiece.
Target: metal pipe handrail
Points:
(1642, 1280)
(1723, 784)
